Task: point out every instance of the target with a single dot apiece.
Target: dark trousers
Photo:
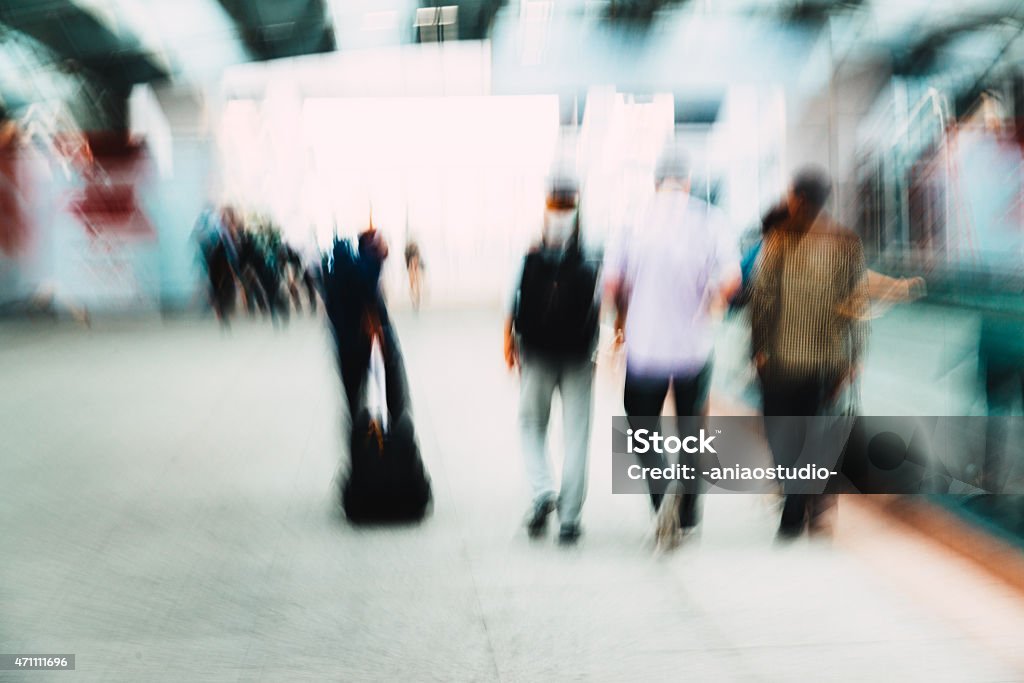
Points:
(796, 395)
(310, 284)
(306, 279)
(277, 303)
(644, 397)
(222, 285)
(255, 296)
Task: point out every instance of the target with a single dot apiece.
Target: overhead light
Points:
(436, 16)
(448, 15)
(426, 16)
(437, 23)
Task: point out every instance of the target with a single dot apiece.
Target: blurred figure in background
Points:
(272, 267)
(357, 313)
(310, 258)
(414, 267)
(249, 263)
(808, 307)
(675, 264)
(551, 335)
(297, 273)
(292, 274)
(220, 259)
(261, 267)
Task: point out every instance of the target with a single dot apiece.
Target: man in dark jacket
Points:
(551, 336)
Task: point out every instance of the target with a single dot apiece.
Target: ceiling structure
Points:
(95, 51)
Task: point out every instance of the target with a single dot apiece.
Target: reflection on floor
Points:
(166, 507)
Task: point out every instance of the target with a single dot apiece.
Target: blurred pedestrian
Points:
(271, 269)
(358, 314)
(250, 263)
(551, 336)
(213, 234)
(298, 277)
(414, 267)
(808, 330)
(674, 265)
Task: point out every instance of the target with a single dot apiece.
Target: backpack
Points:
(557, 308)
(387, 480)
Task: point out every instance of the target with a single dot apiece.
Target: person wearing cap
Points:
(551, 337)
(672, 267)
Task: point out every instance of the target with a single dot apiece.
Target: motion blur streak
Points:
(276, 275)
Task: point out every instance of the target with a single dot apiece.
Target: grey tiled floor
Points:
(167, 514)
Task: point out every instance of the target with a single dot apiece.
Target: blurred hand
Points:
(511, 351)
(726, 293)
(853, 374)
(847, 379)
(760, 361)
(915, 288)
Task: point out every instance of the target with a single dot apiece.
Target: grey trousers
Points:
(574, 379)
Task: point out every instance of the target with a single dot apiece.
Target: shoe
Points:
(537, 524)
(569, 534)
(788, 532)
(688, 513)
(666, 526)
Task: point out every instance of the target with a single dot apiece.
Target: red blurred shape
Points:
(108, 204)
(14, 228)
(111, 208)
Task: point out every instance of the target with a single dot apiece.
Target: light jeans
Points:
(574, 380)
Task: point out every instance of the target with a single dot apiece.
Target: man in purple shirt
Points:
(674, 265)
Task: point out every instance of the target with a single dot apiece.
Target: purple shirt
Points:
(671, 261)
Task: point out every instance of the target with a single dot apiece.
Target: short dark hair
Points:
(774, 218)
(813, 186)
